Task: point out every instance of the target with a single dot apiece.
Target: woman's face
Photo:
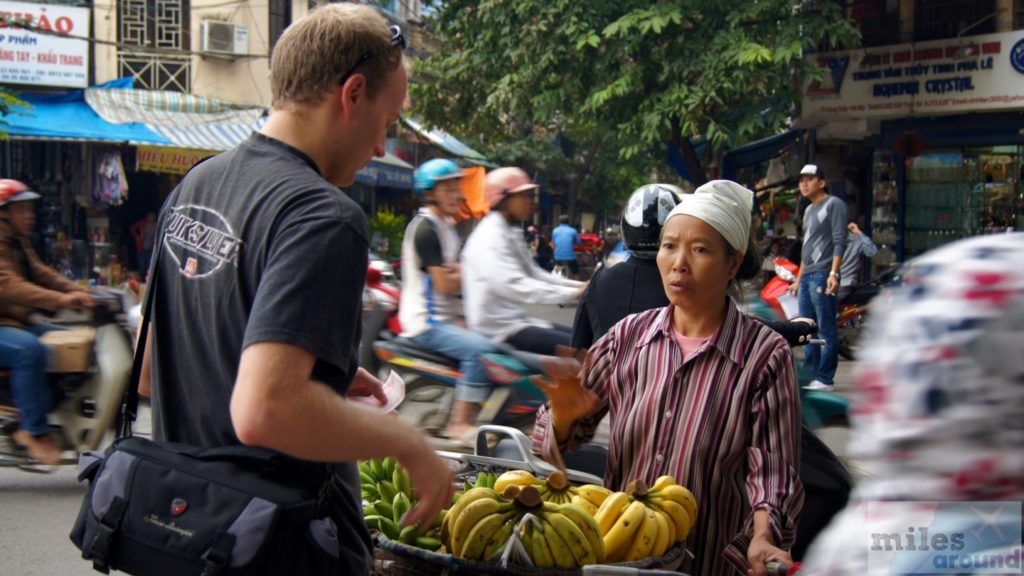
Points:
(695, 264)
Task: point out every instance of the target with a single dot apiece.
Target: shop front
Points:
(942, 122)
(105, 157)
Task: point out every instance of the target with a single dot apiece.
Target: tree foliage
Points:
(8, 101)
(633, 75)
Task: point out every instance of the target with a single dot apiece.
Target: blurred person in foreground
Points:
(256, 321)
(939, 404)
(697, 390)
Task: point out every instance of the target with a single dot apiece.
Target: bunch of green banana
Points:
(388, 493)
(383, 479)
(644, 522)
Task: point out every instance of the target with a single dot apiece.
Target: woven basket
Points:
(396, 559)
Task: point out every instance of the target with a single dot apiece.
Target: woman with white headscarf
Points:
(938, 421)
(696, 390)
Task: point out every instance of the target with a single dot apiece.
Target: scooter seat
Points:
(411, 348)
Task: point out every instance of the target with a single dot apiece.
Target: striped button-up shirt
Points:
(725, 423)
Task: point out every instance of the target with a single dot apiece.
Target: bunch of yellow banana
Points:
(676, 502)
(590, 497)
(480, 524)
(555, 488)
(562, 536)
(644, 522)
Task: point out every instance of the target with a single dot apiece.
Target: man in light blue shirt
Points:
(565, 238)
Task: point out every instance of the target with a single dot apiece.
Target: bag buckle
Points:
(219, 554)
(99, 549)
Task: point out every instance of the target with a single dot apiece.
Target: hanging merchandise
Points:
(111, 184)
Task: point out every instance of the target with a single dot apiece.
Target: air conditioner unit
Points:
(223, 38)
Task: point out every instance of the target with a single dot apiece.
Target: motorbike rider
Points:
(27, 285)
(635, 285)
(566, 239)
(499, 275)
(858, 247)
(430, 312)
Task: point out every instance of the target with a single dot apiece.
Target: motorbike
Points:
(827, 482)
(430, 380)
(851, 314)
(85, 405)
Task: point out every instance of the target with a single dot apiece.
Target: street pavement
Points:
(37, 510)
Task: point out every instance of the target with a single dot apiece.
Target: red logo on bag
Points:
(178, 507)
(191, 265)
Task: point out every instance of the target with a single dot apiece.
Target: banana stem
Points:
(529, 497)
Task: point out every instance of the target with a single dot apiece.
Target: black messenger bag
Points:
(176, 509)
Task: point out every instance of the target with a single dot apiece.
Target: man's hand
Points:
(852, 227)
(832, 287)
(77, 300)
(366, 384)
(762, 551)
(432, 480)
(794, 288)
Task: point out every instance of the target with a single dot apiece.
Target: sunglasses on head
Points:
(397, 39)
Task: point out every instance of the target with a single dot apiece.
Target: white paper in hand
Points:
(394, 389)
(790, 306)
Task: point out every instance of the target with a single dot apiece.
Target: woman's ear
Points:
(734, 265)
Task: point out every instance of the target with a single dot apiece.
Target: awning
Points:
(201, 123)
(66, 116)
(389, 171)
(187, 121)
(447, 142)
(759, 151)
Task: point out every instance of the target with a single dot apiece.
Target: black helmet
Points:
(645, 212)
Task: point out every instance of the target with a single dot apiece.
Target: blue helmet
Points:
(433, 171)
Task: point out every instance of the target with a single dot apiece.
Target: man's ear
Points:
(354, 90)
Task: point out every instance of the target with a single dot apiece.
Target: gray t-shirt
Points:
(824, 234)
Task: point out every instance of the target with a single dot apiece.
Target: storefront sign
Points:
(44, 44)
(924, 79)
(168, 160)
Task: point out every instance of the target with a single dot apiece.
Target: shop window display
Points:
(955, 194)
(885, 213)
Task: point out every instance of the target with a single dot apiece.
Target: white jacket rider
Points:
(498, 274)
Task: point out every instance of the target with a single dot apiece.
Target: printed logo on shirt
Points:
(200, 240)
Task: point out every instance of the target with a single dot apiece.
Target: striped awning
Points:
(200, 123)
(188, 121)
(445, 141)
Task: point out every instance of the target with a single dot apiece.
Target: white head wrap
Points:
(725, 206)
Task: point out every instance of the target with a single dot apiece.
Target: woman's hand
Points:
(569, 400)
(761, 551)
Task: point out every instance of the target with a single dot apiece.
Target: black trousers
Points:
(541, 340)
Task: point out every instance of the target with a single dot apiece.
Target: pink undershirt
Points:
(687, 344)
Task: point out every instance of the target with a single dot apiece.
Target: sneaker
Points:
(817, 385)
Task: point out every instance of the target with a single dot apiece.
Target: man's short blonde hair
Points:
(313, 53)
